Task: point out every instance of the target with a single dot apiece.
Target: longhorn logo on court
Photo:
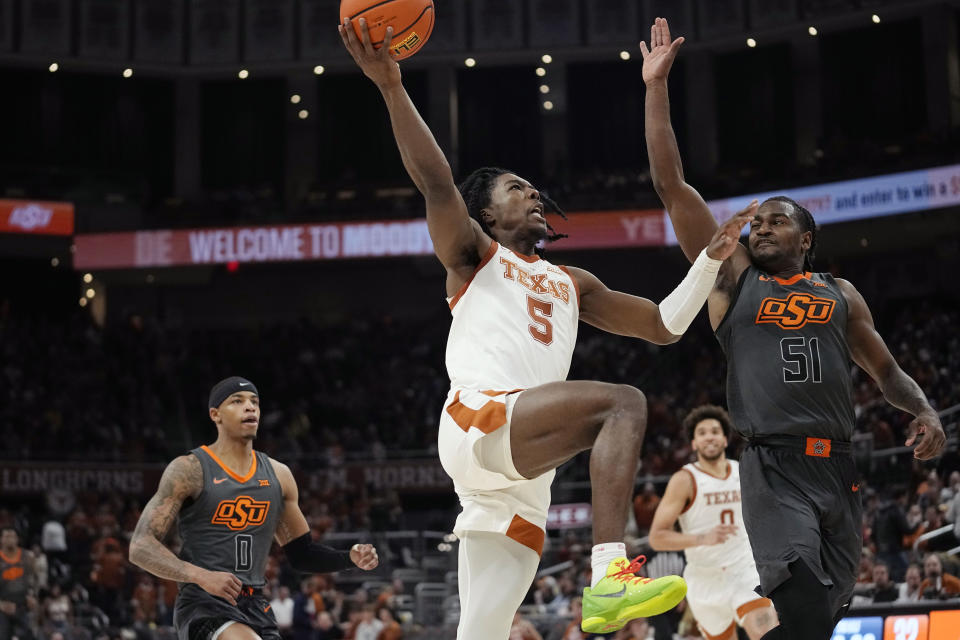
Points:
(796, 310)
(241, 512)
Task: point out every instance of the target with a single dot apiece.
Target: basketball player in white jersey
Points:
(704, 496)
(511, 418)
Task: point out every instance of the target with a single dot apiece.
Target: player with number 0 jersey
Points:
(232, 502)
(704, 499)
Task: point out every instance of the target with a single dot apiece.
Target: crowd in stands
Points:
(348, 195)
(87, 590)
(135, 391)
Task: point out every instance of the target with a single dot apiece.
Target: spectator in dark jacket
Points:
(891, 525)
(884, 589)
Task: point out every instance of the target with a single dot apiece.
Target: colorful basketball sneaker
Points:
(621, 596)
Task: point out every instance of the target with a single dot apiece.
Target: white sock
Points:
(602, 555)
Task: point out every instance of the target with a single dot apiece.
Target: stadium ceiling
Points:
(177, 37)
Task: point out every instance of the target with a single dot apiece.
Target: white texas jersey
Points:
(514, 324)
(715, 501)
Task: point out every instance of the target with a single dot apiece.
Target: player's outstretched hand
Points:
(927, 428)
(659, 58)
(718, 535)
(376, 64)
(727, 238)
(221, 584)
(364, 556)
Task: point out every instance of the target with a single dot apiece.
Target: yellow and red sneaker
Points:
(621, 595)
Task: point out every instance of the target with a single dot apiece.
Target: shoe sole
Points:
(667, 598)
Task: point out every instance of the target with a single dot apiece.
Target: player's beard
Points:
(712, 458)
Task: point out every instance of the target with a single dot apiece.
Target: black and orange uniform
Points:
(14, 588)
(229, 527)
(789, 392)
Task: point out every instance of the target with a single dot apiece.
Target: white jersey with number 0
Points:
(514, 324)
(716, 501)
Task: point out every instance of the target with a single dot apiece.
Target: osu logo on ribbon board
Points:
(241, 512)
(31, 216)
(796, 310)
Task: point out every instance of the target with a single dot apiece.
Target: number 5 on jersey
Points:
(540, 312)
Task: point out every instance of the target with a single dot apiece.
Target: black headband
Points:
(226, 388)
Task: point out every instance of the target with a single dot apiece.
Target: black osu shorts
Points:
(801, 500)
(197, 614)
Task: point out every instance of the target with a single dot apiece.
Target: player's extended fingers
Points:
(750, 208)
(911, 434)
(354, 46)
(676, 44)
(665, 30)
(653, 36)
(929, 447)
(344, 31)
(365, 38)
(385, 50)
(643, 49)
(350, 34)
(741, 218)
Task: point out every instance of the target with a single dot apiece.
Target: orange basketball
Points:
(412, 22)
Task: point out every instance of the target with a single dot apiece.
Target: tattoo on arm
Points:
(183, 478)
(871, 353)
(903, 392)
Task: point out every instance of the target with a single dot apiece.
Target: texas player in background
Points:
(704, 497)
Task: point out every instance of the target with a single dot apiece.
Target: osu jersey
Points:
(788, 362)
(715, 501)
(230, 525)
(514, 323)
(13, 578)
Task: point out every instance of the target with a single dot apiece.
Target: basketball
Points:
(412, 22)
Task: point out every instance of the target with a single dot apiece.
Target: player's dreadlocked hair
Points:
(807, 223)
(706, 412)
(476, 188)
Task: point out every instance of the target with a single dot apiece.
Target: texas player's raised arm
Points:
(458, 240)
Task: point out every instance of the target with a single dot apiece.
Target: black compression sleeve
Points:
(309, 557)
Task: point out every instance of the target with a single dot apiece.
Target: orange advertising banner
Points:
(36, 217)
(945, 625)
